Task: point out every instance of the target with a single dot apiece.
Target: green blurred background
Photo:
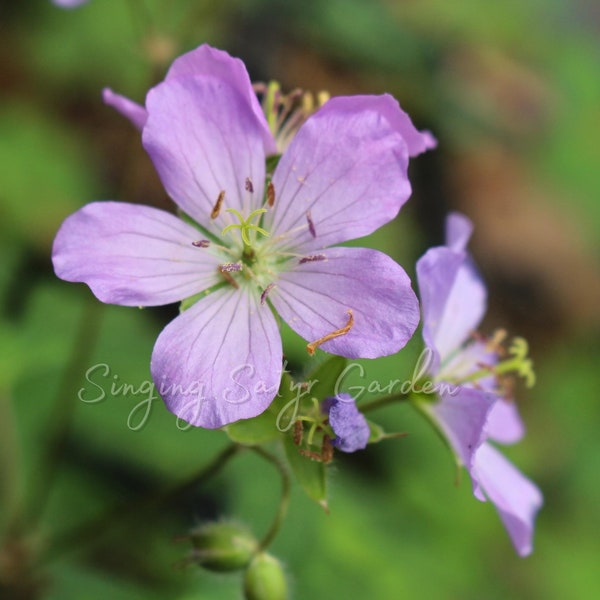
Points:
(512, 91)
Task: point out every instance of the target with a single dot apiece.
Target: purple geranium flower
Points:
(471, 408)
(244, 246)
(348, 423)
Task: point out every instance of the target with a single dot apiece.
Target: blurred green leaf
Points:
(45, 175)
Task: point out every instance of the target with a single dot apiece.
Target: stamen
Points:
(230, 267)
(298, 433)
(326, 450)
(494, 344)
(201, 244)
(310, 348)
(270, 194)
(217, 207)
(312, 258)
(228, 278)
(248, 185)
(311, 225)
(265, 293)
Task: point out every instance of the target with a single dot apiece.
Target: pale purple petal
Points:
(461, 414)
(504, 423)
(436, 273)
(458, 231)
(220, 360)
(348, 423)
(346, 169)
(204, 139)
(132, 255)
(206, 60)
(128, 108)
(453, 298)
(470, 359)
(515, 497)
(417, 141)
(315, 296)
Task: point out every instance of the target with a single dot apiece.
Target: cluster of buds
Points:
(226, 547)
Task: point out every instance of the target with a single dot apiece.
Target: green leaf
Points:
(276, 420)
(309, 473)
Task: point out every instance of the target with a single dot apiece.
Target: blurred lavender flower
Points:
(69, 3)
(472, 409)
(348, 423)
(244, 244)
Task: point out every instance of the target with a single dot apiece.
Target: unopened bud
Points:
(222, 546)
(265, 579)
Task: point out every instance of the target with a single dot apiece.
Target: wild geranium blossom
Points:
(243, 246)
(471, 409)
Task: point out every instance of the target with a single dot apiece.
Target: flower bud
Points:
(265, 579)
(222, 546)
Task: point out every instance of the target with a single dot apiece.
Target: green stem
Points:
(127, 513)
(384, 401)
(286, 489)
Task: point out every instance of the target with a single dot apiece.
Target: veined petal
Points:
(220, 360)
(515, 497)
(461, 414)
(206, 60)
(436, 273)
(315, 298)
(205, 139)
(504, 423)
(128, 108)
(201, 61)
(132, 255)
(417, 141)
(345, 169)
(453, 299)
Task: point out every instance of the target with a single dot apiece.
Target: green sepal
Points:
(309, 473)
(378, 434)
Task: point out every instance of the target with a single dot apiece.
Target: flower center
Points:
(246, 227)
(483, 355)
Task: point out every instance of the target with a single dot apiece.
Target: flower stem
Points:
(384, 401)
(127, 513)
(285, 497)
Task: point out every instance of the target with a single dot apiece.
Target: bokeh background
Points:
(512, 91)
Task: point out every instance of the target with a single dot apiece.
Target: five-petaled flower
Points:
(472, 409)
(244, 246)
